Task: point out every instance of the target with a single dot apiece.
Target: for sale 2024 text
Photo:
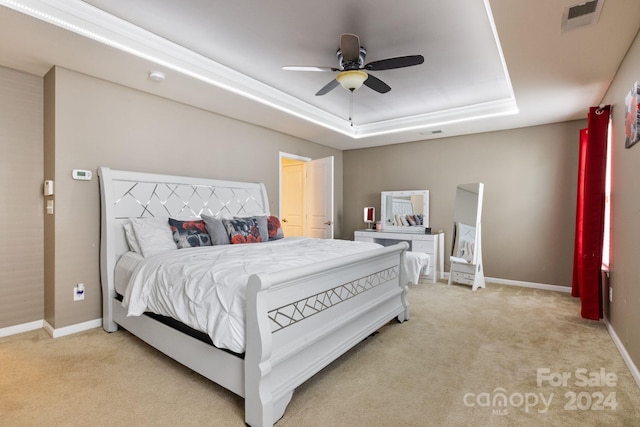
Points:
(583, 379)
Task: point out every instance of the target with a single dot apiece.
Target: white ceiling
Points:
(227, 57)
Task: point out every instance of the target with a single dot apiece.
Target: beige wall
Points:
(97, 123)
(21, 207)
(624, 311)
(530, 179)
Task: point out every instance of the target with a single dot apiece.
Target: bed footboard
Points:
(300, 320)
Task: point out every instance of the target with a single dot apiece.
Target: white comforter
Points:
(205, 287)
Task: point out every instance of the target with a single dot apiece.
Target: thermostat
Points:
(81, 174)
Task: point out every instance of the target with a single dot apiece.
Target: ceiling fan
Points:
(352, 71)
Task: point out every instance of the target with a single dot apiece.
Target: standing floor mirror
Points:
(466, 251)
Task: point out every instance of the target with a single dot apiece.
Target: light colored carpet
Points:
(448, 366)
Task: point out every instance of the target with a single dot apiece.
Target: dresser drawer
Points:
(422, 246)
(364, 236)
(424, 237)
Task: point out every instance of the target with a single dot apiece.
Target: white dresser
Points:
(432, 244)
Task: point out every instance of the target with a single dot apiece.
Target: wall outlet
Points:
(78, 292)
(610, 294)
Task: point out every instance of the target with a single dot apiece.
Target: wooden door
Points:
(293, 184)
(319, 195)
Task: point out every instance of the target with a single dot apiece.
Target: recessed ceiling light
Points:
(157, 76)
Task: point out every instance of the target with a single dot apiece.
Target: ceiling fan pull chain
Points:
(351, 107)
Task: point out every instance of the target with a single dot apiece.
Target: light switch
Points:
(49, 207)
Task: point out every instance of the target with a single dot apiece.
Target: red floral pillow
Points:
(242, 230)
(189, 234)
(275, 229)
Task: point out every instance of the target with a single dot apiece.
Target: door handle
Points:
(284, 220)
(327, 223)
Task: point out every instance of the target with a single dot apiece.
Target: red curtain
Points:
(587, 257)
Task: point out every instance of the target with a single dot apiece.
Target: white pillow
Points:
(153, 235)
(131, 237)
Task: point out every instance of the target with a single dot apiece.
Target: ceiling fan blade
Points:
(350, 47)
(328, 87)
(391, 63)
(377, 84)
(304, 68)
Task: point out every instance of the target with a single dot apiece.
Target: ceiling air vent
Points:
(581, 14)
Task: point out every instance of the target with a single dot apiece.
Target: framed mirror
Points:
(404, 211)
(466, 223)
(466, 250)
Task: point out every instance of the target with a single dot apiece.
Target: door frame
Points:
(283, 155)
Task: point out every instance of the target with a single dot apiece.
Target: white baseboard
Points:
(18, 329)
(68, 330)
(534, 285)
(54, 333)
(635, 373)
(522, 284)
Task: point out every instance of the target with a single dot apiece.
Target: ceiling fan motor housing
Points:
(345, 65)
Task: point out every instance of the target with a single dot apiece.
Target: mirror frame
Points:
(404, 229)
(468, 211)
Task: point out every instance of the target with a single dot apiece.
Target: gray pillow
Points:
(216, 230)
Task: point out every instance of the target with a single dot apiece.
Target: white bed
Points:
(336, 302)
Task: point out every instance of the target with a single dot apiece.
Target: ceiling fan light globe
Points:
(351, 80)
